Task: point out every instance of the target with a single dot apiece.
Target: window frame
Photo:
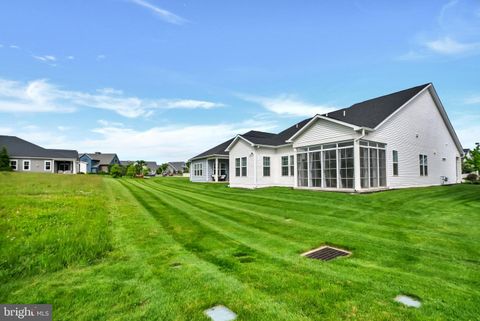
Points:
(423, 162)
(29, 165)
(395, 162)
(16, 164)
(49, 166)
(237, 167)
(285, 167)
(243, 166)
(266, 166)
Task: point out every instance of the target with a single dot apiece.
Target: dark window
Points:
(395, 162)
(423, 165)
(266, 166)
(244, 166)
(237, 167)
(284, 165)
(302, 169)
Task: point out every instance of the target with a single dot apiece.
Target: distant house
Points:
(28, 157)
(99, 162)
(403, 139)
(151, 165)
(176, 168)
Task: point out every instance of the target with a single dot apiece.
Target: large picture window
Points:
(266, 166)
(346, 168)
(373, 172)
(423, 165)
(302, 169)
(330, 168)
(198, 169)
(316, 169)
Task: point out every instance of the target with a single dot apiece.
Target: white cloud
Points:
(289, 105)
(41, 96)
(170, 143)
(101, 57)
(1, 46)
(70, 57)
(163, 14)
(449, 46)
(14, 47)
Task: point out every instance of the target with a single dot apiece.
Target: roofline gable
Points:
(234, 141)
(316, 117)
(441, 109)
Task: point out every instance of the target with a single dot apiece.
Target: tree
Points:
(4, 160)
(130, 170)
(187, 167)
(116, 171)
(472, 160)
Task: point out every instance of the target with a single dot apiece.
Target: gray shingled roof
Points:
(17, 147)
(102, 158)
(178, 166)
(369, 113)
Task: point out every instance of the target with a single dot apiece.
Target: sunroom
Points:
(347, 166)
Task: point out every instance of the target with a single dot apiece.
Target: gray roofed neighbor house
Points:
(17, 147)
(150, 164)
(102, 158)
(178, 166)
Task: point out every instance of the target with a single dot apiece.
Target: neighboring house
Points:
(99, 162)
(203, 166)
(28, 157)
(176, 168)
(404, 139)
(152, 166)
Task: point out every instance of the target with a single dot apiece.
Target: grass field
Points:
(166, 249)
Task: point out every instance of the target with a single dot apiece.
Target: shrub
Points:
(116, 171)
(4, 160)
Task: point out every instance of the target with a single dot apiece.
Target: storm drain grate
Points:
(326, 253)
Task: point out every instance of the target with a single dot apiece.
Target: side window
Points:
(266, 166)
(395, 162)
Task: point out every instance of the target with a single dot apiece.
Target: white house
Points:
(403, 139)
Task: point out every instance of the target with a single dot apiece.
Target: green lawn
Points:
(166, 249)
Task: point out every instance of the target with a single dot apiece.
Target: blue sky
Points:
(164, 80)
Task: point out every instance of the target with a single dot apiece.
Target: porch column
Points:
(216, 169)
(295, 170)
(74, 164)
(356, 164)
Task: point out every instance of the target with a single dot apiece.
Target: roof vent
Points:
(344, 113)
(326, 114)
(296, 125)
(97, 153)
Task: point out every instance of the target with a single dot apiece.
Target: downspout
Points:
(356, 158)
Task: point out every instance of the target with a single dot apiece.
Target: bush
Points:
(5, 160)
(131, 171)
(472, 177)
(116, 171)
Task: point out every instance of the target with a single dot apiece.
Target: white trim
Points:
(45, 165)
(16, 164)
(29, 165)
(316, 117)
(235, 140)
